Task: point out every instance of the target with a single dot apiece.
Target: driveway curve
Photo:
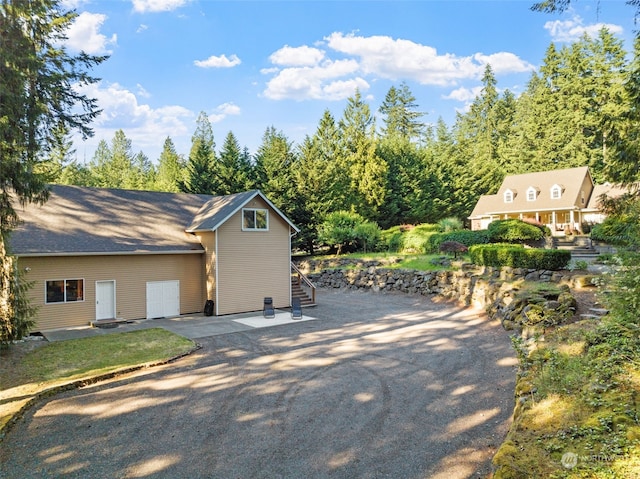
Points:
(381, 385)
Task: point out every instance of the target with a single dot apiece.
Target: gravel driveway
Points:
(382, 385)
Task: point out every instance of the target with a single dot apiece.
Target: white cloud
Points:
(297, 56)
(571, 30)
(504, 62)
(319, 82)
(463, 94)
(142, 28)
(72, 4)
(142, 91)
(84, 34)
(145, 126)
(143, 6)
(309, 73)
(403, 59)
(223, 111)
(218, 62)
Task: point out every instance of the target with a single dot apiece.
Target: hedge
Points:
(519, 257)
(466, 237)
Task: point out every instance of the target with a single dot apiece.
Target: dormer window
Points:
(532, 193)
(509, 195)
(556, 192)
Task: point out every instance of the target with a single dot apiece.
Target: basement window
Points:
(64, 291)
(255, 219)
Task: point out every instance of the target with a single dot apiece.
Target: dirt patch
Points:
(586, 299)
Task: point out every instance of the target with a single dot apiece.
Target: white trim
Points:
(215, 285)
(115, 302)
(255, 219)
(554, 188)
(508, 194)
(535, 192)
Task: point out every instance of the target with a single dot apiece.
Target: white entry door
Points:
(105, 300)
(163, 299)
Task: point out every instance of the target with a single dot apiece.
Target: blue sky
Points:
(254, 64)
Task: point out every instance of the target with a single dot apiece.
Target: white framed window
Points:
(556, 192)
(64, 291)
(255, 219)
(532, 193)
(508, 196)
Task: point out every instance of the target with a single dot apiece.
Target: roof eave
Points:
(104, 253)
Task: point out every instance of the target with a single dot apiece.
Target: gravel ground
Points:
(381, 386)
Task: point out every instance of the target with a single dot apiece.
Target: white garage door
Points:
(163, 299)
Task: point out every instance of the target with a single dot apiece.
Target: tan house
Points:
(564, 200)
(99, 254)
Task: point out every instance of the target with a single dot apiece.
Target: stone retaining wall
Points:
(468, 284)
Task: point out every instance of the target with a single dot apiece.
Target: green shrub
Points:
(514, 231)
(616, 231)
(392, 240)
(407, 239)
(519, 257)
(347, 231)
(367, 236)
(447, 225)
(466, 237)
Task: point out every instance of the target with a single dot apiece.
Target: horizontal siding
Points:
(131, 274)
(208, 241)
(253, 264)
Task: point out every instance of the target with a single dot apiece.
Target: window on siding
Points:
(64, 290)
(255, 219)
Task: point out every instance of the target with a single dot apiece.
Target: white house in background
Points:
(564, 200)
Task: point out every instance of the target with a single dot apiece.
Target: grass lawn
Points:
(420, 262)
(24, 374)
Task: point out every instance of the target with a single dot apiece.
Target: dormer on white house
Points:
(532, 193)
(564, 200)
(556, 191)
(509, 195)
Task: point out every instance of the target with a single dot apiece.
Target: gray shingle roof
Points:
(80, 220)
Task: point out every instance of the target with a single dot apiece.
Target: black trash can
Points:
(208, 308)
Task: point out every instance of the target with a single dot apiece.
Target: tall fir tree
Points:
(367, 171)
(320, 180)
(400, 115)
(233, 174)
(169, 170)
(199, 176)
(274, 162)
(38, 94)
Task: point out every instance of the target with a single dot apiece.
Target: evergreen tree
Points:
(169, 171)
(401, 117)
(273, 164)
(200, 169)
(37, 96)
(623, 164)
(116, 166)
(59, 155)
(367, 171)
(232, 171)
(477, 136)
(320, 181)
